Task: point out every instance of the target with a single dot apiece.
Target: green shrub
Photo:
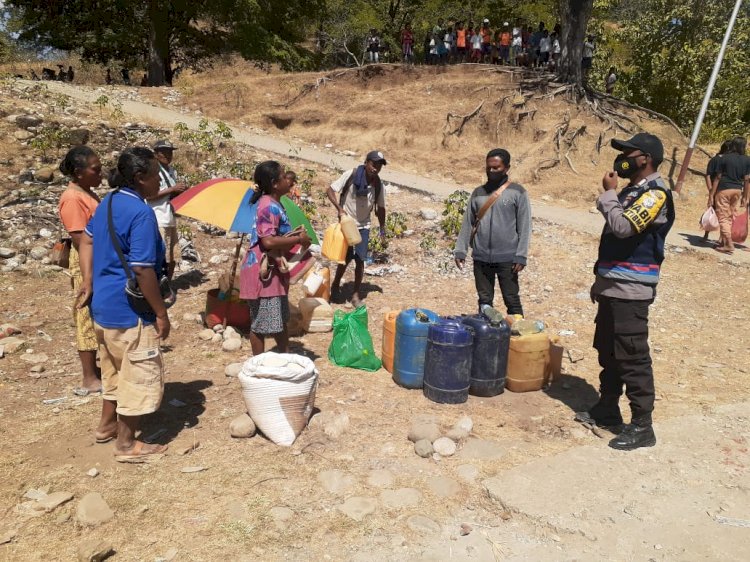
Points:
(454, 208)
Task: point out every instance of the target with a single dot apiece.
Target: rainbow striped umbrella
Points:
(221, 202)
(226, 203)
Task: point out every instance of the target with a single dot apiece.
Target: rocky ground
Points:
(524, 482)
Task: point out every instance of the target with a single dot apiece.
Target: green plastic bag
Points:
(352, 345)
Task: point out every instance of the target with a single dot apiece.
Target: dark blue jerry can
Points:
(447, 369)
(489, 357)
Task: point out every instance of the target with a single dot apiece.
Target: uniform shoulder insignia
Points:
(645, 209)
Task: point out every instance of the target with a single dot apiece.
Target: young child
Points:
(476, 46)
(294, 192)
(611, 80)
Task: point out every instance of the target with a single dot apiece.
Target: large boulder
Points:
(45, 175)
(26, 121)
(79, 136)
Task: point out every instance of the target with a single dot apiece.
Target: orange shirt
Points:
(505, 39)
(76, 208)
(461, 38)
(486, 35)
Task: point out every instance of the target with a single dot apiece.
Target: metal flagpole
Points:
(706, 99)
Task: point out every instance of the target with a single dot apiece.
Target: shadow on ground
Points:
(573, 391)
(182, 405)
(193, 278)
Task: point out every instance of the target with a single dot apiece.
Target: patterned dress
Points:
(268, 300)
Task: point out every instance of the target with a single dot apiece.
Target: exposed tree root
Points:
(447, 132)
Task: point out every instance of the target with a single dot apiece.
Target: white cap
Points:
(486, 20)
(505, 23)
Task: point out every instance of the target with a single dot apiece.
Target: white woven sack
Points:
(279, 392)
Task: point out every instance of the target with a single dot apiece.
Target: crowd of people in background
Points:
(508, 45)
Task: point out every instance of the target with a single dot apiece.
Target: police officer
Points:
(631, 251)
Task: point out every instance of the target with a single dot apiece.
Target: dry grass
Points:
(403, 112)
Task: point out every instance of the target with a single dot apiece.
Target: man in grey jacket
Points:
(500, 244)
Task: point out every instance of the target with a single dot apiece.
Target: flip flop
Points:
(137, 456)
(724, 251)
(101, 439)
(80, 391)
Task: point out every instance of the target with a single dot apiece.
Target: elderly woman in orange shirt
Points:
(77, 205)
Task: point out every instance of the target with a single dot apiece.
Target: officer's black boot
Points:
(605, 413)
(639, 433)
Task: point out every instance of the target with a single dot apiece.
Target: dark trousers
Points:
(621, 338)
(484, 278)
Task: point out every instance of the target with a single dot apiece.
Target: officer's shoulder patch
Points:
(645, 209)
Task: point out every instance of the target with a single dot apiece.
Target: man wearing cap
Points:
(356, 193)
(169, 187)
(631, 250)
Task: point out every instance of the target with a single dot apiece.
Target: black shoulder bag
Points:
(135, 297)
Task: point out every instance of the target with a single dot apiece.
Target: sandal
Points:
(136, 454)
(102, 438)
(80, 391)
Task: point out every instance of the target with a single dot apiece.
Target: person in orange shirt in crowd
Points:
(486, 41)
(461, 41)
(76, 207)
(504, 45)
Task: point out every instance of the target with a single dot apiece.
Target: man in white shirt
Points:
(356, 193)
(588, 56)
(169, 187)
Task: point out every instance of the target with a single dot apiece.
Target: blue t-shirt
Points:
(141, 244)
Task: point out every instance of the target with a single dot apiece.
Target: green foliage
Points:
(117, 115)
(205, 138)
(49, 138)
(177, 33)
(454, 208)
(669, 49)
(378, 245)
(395, 225)
(306, 181)
(428, 244)
(101, 102)
(62, 101)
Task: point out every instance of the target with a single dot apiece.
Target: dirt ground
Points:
(226, 512)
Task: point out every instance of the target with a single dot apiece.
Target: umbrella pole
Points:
(232, 272)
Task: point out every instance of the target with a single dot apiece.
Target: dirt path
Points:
(581, 221)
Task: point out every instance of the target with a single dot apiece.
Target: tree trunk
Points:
(574, 15)
(158, 44)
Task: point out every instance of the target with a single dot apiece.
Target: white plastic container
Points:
(312, 283)
(317, 315)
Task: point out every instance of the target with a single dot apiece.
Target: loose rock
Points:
(242, 426)
(423, 448)
(23, 135)
(93, 473)
(234, 344)
(51, 502)
(12, 344)
(206, 334)
(230, 333)
(34, 358)
(7, 536)
(444, 447)
(358, 507)
(38, 253)
(465, 529)
(217, 338)
(422, 430)
(7, 253)
(233, 369)
(428, 214)
(79, 136)
(94, 550)
(45, 175)
(93, 510)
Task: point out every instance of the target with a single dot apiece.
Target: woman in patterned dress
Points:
(267, 295)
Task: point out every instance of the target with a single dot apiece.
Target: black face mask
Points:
(626, 167)
(496, 179)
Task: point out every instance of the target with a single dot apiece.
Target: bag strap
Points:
(113, 236)
(348, 185)
(486, 207)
